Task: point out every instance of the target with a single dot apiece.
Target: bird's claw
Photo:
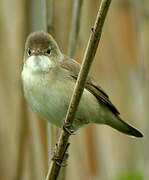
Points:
(67, 128)
(60, 162)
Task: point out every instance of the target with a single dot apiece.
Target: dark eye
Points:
(48, 51)
(29, 52)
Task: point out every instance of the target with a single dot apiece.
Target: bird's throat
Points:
(39, 63)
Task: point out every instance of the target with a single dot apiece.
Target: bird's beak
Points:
(36, 52)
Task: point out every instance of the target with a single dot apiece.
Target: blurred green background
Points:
(121, 67)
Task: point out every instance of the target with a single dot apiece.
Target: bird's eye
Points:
(48, 51)
(29, 52)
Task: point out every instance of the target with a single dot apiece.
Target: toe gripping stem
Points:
(62, 162)
(68, 128)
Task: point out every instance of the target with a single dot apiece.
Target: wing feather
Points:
(73, 67)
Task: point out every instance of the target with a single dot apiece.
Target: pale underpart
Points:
(48, 91)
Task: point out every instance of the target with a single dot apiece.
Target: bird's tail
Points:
(117, 123)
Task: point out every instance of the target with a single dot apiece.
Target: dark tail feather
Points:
(120, 125)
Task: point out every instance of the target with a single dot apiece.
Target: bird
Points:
(49, 77)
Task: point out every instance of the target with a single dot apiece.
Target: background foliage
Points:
(121, 67)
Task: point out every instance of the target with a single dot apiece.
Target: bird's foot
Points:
(67, 128)
(60, 162)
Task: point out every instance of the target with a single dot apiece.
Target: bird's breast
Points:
(49, 96)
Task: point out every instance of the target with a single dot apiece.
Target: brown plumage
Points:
(49, 77)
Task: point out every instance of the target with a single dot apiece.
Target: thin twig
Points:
(48, 20)
(23, 123)
(143, 75)
(51, 17)
(86, 64)
(45, 15)
(50, 6)
(48, 16)
(75, 27)
(22, 139)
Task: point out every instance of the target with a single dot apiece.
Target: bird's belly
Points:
(51, 103)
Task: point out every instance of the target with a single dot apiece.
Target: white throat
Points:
(39, 63)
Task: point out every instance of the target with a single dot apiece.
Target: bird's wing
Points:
(73, 67)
